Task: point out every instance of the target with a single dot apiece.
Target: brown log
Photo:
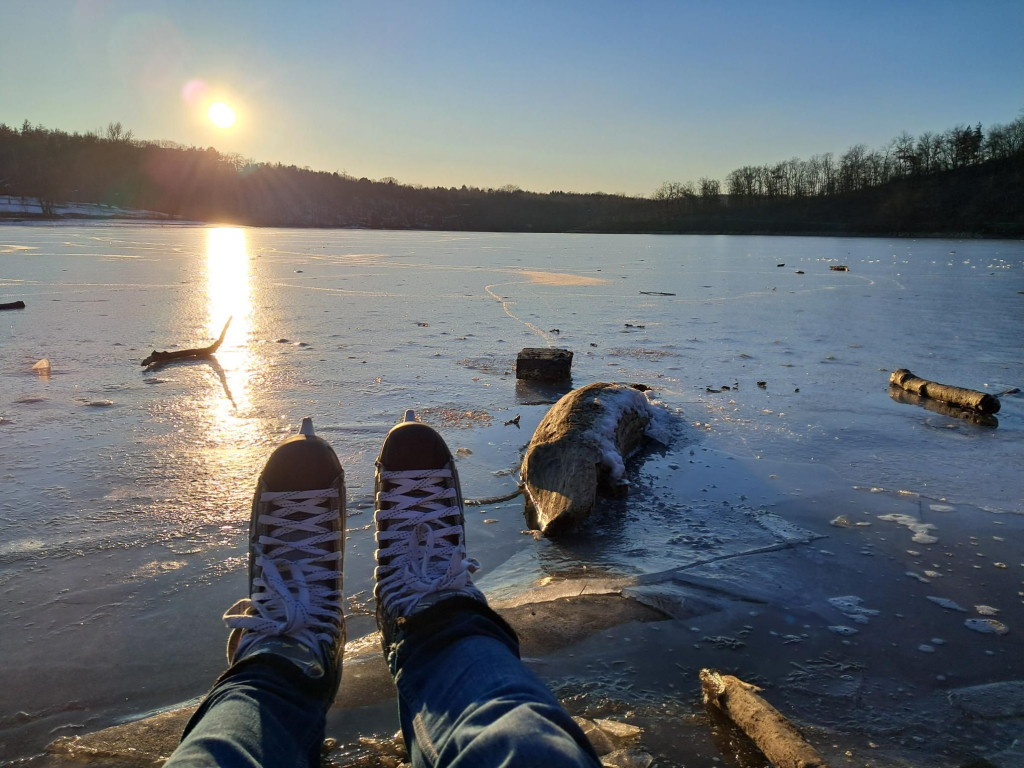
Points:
(565, 463)
(773, 734)
(964, 398)
(160, 358)
(13, 305)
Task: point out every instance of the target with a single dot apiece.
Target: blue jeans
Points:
(464, 699)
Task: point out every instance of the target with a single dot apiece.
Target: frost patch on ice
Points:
(839, 629)
(782, 529)
(850, 606)
(925, 648)
(919, 529)
(941, 508)
(919, 577)
(987, 626)
(946, 603)
(986, 610)
(617, 401)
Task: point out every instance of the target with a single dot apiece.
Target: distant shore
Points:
(140, 217)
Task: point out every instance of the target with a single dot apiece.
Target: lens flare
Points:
(221, 115)
(193, 91)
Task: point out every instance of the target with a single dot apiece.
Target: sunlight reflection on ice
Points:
(229, 294)
(232, 432)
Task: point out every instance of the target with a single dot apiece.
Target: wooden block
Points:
(544, 364)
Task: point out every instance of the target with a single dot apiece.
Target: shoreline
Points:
(80, 219)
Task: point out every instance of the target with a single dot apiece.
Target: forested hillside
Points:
(964, 180)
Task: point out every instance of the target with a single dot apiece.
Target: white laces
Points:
(421, 537)
(306, 605)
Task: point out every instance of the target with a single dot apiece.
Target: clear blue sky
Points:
(612, 96)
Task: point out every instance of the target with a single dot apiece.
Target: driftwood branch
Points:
(964, 398)
(13, 305)
(773, 734)
(159, 358)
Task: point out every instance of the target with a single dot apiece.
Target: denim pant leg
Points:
(262, 712)
(466, 699)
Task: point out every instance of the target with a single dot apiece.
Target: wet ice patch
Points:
(850, 606)
(840, 629)
(987, 626)
(919, 529)
(993, 700)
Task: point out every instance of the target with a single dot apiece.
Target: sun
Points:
(221, 115)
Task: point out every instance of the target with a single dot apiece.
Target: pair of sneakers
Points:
(297, 542)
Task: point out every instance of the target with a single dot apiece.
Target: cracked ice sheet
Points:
(673, 518)
(645, 545)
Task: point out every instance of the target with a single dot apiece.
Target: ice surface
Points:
(122, 520)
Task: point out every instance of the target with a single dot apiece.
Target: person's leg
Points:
(465, 698)
(262, 712)
(288, 637)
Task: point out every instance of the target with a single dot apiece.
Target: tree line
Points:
(965, 179)
(855, 169)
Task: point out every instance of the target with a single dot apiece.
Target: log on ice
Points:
(161, 358)
(540, 364)
(964, 398)
(773, 734)
(579, 447)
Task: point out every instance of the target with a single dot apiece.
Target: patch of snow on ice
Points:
(987, 626)
(946, 603)
(616, 401)
(850, 606)
(919, 529)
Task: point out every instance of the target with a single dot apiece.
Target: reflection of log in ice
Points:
(943, 408)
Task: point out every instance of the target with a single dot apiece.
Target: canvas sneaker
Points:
(421, 541)
(296, 558)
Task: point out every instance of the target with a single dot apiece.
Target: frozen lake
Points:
(125, 493)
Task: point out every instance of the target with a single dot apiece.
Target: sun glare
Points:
(221, 115)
